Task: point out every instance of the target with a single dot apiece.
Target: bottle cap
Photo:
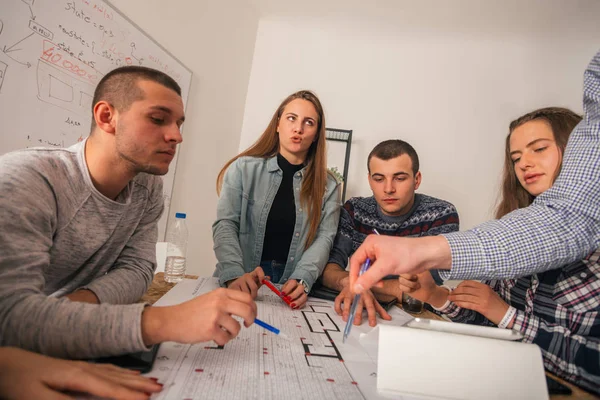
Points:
(180, 215)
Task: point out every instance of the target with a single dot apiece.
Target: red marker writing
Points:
(276, 291)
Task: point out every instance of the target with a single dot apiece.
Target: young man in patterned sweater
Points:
(395, 210)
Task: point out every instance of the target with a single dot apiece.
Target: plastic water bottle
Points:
(177, 237)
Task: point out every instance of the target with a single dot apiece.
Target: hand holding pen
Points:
(277, 292)
(393, 255)
(356, 300)
(385, 253)
(295, 292)
(295, 299)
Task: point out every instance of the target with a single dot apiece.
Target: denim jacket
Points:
(249, 187)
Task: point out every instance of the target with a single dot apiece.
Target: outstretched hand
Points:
(395, 256)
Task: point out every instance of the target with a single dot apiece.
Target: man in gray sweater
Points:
(78, 229)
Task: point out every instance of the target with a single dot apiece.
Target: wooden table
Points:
(159, 287)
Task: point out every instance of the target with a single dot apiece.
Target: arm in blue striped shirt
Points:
(561, 226)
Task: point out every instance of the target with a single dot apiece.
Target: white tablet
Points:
(465, 329)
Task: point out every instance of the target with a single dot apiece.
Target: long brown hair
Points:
(562, 121)
(315, 177)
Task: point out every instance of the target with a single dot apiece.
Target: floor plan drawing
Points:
(312, 364)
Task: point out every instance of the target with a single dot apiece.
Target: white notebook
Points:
(465, 329)
(430, 364)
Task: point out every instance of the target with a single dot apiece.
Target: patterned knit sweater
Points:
(428, 217)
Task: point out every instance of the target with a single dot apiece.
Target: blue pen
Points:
(363, 268)
(270, 328)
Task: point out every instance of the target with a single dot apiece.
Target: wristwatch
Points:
(304, 285)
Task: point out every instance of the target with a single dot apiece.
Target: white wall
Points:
(215, 39)
(446, 79)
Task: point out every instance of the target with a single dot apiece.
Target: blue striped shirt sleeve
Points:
(561, 226)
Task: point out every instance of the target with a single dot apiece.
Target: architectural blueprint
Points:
(313, 364)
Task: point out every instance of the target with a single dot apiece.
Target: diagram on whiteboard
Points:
(313, 364)
(53, 53)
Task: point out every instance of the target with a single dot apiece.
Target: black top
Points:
(282, 216)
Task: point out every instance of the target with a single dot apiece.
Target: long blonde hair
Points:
(562, 121)
(315, 177)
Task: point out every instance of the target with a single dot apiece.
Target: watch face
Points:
(305, 286)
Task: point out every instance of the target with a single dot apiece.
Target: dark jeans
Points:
(273, 269)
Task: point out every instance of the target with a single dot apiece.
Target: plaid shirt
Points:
(561, 226)
(559, 310)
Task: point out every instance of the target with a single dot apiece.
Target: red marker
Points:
(276, 291)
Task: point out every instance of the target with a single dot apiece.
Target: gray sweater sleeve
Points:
(28, 317)
(132, 273)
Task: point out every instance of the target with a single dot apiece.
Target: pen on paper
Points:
(276, 291)
(348, 327)
(270, 328)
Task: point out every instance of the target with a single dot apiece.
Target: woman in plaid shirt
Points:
(558, 309)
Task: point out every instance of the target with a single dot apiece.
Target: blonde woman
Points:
(278, 208)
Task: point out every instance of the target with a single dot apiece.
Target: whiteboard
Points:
(52, 55)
